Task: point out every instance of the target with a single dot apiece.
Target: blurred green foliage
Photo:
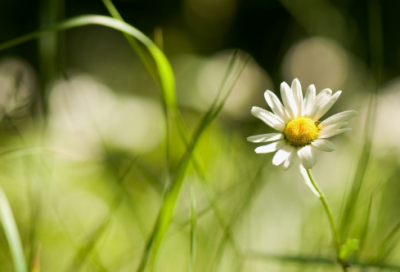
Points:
(108, 165)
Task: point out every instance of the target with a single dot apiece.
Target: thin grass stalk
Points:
(168, 86)
(328, 212)
(208, 209)
(85, 250)
(177, 116)
(47, 49)
(11, 233)
(384, 249)
(365, 230)
(144, 58)
(166, 75)
(165, 214)
(376, 54)
(251, 190)
(133, 43)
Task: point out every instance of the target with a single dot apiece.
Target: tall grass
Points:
(218, 225)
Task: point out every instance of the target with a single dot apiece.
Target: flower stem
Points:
(331, 222)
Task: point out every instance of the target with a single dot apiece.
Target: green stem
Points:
(330, 217)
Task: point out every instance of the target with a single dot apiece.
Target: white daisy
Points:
(298, 126)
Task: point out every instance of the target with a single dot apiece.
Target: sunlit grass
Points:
(199, 201)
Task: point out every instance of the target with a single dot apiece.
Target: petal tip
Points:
(284, 85)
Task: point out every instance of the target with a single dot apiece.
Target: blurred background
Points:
(87, 155)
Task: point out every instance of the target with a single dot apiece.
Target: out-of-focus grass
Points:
(203, 202)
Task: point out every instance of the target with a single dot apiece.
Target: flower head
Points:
(300, 132)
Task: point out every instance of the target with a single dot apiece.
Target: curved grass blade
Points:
(182, 129)
(165, 214)
(165, 72)
(230, 83)
(11, 232)
(145, 59)
(133, 43)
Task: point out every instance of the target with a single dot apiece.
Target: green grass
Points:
(202, 200)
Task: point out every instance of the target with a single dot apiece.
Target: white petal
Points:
(327, 105)
(290, 160)
(321, 98)
(282, 155)
(297, 96)
(269, 118)
(335, 133)
(308, 156)
(338, 117)
(332, 128)
(324, 145)
(307, 180)
(270, 147)
(262, 138)
(276, 106)
(309, 100)
(288, 101)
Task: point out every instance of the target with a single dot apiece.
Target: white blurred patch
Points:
(247, 90)
(137, 125)
(317, 61)
(17, 86)
(387, 129)
(86, 116)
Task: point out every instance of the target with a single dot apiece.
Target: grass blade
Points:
(165, 72)
(12, 235)
(384, 248)
(85, 251)
(364, 232)
(376, 54)
(165, 214)
(133, 43)
(253, 188)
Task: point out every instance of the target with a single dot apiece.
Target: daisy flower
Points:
(300, 133)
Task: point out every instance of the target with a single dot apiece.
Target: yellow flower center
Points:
(301, 131)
